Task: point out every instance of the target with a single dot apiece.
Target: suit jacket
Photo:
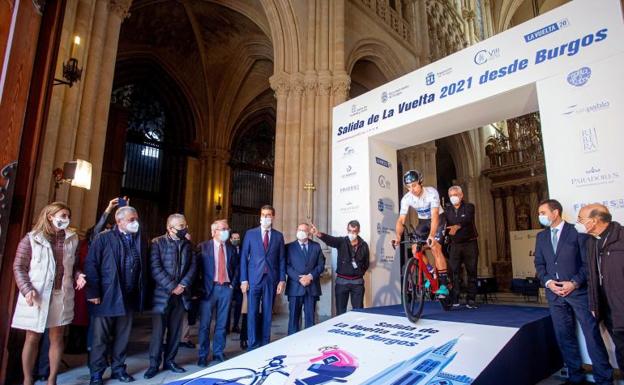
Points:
(254, 258)
(297, 263)
(206, 263)
(569, 263)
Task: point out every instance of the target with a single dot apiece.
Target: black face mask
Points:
(235, 242)
(181, 234)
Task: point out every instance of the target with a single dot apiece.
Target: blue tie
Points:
(555, 239)
(304, 248)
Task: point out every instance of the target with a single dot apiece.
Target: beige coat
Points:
(41, 274)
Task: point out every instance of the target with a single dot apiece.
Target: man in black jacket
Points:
(173, 270)
(353, 261)
(605, 254)
(464, 248)
(116, 280)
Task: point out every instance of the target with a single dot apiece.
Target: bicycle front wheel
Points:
(413, 292)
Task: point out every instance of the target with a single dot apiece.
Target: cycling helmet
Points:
(412, 176)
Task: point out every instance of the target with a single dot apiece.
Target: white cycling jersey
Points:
(429, 199)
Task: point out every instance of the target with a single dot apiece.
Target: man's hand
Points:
(31, 297)
(314, 230)
(244, 286)
(80, 281)
(280, 287)
(554, 287)
(453, 229)
(178, 290)
(396, 242)
(305, 280)
(95, 301)
(431, 241)
(566, 288)
(111, 205)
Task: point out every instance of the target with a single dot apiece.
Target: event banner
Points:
(582, 112)
(522, 244)
(369, 349)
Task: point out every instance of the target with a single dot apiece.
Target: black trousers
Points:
(235, 310)
(171, 321)
(113, 331)
(344, 291)
(468, 254)
(617, 335)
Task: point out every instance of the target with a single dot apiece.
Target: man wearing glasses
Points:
(217, 265)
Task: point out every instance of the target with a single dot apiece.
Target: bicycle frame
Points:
(420, 256)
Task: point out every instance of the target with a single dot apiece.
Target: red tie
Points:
(221, 274)
(265, 241)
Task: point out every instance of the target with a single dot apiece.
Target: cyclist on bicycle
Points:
(426, 202)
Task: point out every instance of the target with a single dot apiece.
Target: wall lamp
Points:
(76, 173)
(71, 72)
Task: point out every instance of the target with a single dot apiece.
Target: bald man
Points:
(605, 253)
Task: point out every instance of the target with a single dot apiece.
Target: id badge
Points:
(354, 264)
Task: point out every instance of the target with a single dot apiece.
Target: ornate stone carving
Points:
(297, 84)
(6, 196)
(324, 84)
(310, 84)
(340, 85)
(280, 83)
(120, 8)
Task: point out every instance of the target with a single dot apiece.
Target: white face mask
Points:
(60, 223)
(580, 228)
(455, 200)
(225, 234)
(132, 227)
(352, 236)
(266, 222)
(302, 235)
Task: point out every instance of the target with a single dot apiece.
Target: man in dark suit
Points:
(173, 271)
(561, 265)
(116, 269)
(304, 264)
(237, 295)
(263, 273)
(217, 266)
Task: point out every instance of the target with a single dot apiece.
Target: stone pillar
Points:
(118, 12)
(534, 205)
(500, 225)
(510, 209)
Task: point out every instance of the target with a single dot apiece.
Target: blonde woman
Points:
(45, 275)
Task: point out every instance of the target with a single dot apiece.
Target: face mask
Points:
(181, 234)
(132, 227)
(266, 222)
(580, 228)
(455, 200)
(235, 242)
(60, 223)
(352, 237)
(302, 235)
(225, 234)
(543, 219)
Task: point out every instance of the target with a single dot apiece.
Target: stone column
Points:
(534, 205)
(118, 12)
(500, 224)
(280, 84)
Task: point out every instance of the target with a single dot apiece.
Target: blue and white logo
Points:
(484, 55)
(430, 78)
(384, 97)
(383, 162)
(383, 204)
(579, 77)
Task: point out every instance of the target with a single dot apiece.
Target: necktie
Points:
(555, 239)
(221, 275)
(265, 241)
(304, 248)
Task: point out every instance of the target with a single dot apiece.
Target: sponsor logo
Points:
(579, 77)
(575, 109)
(595, 176)
(348, 151)
(547, 30)
(612, 204)
(383, 204)
(383, 162)
(351, 188)
(589, 140)
(356, 110)
(381, 229)
(383, 182)
(483, 56)
(387, 95)
(381, 255)
(430, 78)
(349, 172)
(349, 207)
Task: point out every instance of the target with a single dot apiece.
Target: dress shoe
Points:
(243, 344)
(122, 376)
(235, 329)
(150, 372)
(203, 362)
(96, 381)
(187, 344)
(173, 367)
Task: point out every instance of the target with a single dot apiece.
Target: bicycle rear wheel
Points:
(413, 293)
